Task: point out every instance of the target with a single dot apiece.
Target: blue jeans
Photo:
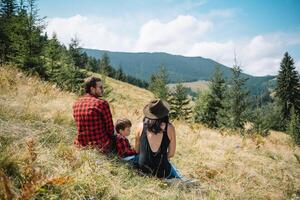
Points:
(133, 160)
(174, 173)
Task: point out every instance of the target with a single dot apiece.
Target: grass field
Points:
(197, 86)
(38, 159)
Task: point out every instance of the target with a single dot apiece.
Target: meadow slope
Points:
(38, 159)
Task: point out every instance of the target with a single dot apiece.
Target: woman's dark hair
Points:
(153, 125)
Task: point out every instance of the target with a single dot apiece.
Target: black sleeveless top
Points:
(154, 163)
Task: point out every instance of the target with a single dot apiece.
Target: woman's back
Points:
(153, 157)
(154, 140)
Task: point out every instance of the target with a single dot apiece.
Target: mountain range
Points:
(180, 68)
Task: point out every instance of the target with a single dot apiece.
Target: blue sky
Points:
(259, 31)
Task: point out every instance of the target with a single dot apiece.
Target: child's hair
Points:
(121, 124)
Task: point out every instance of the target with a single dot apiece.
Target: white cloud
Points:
(92, 33)
(184, 35)
(261, 47)
(260, 55)
(158, 36)
(221, 52)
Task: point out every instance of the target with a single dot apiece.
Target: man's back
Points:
(94, 122)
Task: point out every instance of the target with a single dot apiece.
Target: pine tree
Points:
(35, 42)
(52, 55)
(104, 64)
(158, 83)
(136, 81)
(75, 52)
(201, 107)
(8, 9)
(260, 124)
(272, 116)
(180, 103)
(294, 126)
(120, 74)
(208, 112)
(4, 42)
(234, 105)
(105, 70)
(93, 64)
(19, 46)
(288, 87)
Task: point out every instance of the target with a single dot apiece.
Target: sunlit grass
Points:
(227, 165)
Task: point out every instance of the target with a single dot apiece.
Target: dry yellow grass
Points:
(228, 166)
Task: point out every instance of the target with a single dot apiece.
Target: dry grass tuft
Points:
(7, 186)
(33, 176)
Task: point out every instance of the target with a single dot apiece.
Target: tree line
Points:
(228, 105)
(24, 44)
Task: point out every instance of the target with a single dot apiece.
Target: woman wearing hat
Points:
(156, 141)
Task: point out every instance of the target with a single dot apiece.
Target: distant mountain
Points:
(180, 68)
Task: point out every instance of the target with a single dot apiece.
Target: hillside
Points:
(180, 68)
(38, 157)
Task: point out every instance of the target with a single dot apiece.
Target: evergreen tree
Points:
(120, 74)
(22, 44)
(105, 71)
(260, 124)
(201, 107)
(66, 76)
(158, 83)
(209, 112)
(180, 103)
(234, 105)
(52, 55)
(288, 87)
(294, 126)
(4, 41)
(21, 35)
(75, 52)
(35, 42)
(136, 81)
(105, 66)
(93, 64)
(8, 8)
(272, 116)
(60, 67)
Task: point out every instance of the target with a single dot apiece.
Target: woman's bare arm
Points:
(138, 137)
(172, 137)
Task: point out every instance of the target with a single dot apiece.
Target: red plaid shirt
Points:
(123, 147)
(94, 122)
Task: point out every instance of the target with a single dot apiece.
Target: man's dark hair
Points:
(153, 125)
(121, 124)
(90, 82)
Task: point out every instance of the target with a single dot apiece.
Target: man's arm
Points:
(107, 118)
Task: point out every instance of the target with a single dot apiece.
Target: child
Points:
(123, 147)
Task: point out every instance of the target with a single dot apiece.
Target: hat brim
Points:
(164, 112)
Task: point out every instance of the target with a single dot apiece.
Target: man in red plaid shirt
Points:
(93, 118)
